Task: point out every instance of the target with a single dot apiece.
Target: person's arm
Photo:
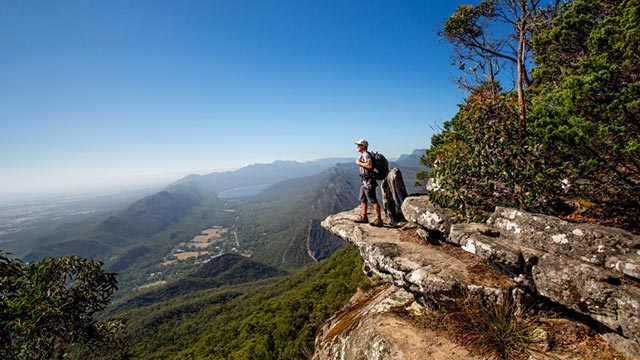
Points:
(365, 164)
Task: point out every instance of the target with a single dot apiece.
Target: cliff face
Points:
(591, 270)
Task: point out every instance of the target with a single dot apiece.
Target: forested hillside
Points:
(269, 319)
(246, 309)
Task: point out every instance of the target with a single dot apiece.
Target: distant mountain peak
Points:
(412, 159)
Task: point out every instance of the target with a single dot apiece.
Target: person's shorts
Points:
(368, 191)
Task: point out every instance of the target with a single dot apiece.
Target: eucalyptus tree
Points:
(496, 34)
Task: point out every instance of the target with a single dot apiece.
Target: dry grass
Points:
(505, 331)
(494, 330)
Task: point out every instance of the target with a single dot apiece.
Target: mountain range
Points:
(277, 227)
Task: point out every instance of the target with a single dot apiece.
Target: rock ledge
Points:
(590, 269)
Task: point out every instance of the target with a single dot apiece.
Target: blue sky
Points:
(97, 94)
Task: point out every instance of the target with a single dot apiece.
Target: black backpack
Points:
(380, 166)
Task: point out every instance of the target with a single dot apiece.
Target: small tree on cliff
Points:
(47, 309)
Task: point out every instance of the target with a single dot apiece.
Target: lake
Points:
(242, 191)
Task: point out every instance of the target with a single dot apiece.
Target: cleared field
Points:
(188, 254)
(199, 242)
(209, 235)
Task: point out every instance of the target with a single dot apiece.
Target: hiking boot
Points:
(377, 222)
(361, 219)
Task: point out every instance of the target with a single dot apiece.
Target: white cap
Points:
(362, 142)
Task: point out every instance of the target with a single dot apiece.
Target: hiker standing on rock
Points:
(368, 184)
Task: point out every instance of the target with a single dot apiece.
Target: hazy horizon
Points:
(131, 182)
(113, 94)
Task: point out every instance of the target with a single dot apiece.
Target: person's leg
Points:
(376, 207)
(363, 205)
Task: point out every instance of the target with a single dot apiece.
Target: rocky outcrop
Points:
(397, 256)
(580, 266)
(598, 245)
(589, 269)
(421, 211)
(594, 292)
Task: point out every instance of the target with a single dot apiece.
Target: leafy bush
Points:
(586, 105)
(480, 160)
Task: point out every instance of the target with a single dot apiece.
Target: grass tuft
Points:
(496, 330)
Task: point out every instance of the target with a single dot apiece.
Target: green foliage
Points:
(587, 106)
(464, 26)
(48, 307)
(583, 129)
(480, 161)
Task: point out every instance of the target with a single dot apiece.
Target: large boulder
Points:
(587, 268)
(393, 194)
(486, 242)
(592, 291)
(420, 210)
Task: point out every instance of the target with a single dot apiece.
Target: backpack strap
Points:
(368, 173)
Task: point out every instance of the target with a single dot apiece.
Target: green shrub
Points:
(480, 161)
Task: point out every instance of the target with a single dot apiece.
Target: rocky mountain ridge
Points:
(591, 271)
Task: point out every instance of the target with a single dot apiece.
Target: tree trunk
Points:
(522, 40)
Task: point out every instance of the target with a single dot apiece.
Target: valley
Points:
(216, 246)
(165, 236)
